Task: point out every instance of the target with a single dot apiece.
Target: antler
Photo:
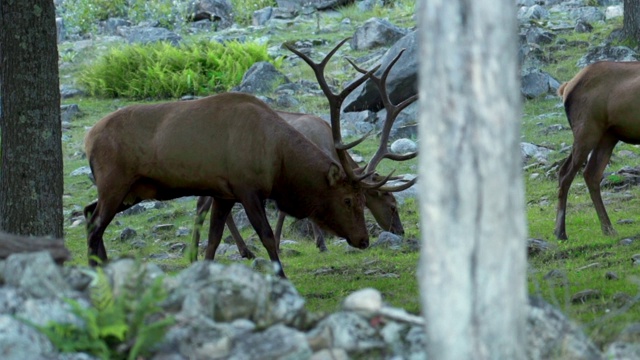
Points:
(335, 104)
(392, 113)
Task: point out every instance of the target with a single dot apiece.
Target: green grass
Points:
(324, 279)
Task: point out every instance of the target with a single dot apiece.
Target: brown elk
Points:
(382, 204)
(169, 150)
(602, 105)
(379, 200)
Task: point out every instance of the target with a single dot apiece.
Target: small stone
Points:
(367, 299)
(626, 242)
(162, 228)
(127, 234)
(610, 275)
(585, 295)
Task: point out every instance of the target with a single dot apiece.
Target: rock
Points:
(262, 77)
(36, 274)
(375, 33)
(368, 300)
(550, 333)
(19, 341)
(403, 146)
(277, 342)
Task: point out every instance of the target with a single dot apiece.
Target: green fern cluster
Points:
(122, 327)
(161, 70)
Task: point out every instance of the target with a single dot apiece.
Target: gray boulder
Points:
(551, 335)
(402, 81)
(218, 11)
(608, 53)
(261, 78)
(375, 33)
(148, 35)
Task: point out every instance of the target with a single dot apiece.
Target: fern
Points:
(161, 70)
(121, 327)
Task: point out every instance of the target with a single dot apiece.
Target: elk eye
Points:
(347, 201)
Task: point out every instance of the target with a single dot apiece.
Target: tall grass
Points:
(161, 70)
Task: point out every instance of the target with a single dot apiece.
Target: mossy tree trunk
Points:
(473, 258)
(31, 171)
(631, 22)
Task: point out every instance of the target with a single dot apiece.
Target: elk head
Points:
(364, 178)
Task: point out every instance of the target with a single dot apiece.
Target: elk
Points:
(382, 204)
(381, 201)
(601, 104)
(174, 149)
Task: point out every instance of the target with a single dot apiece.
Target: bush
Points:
(161, 70)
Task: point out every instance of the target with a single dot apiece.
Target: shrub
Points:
(161, 70)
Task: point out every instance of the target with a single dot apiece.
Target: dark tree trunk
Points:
(31, 170)
(473, 262)
(632, 19)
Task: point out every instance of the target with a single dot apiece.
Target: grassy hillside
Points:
(325, 278)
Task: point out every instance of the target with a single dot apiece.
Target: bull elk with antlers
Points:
(380, 201)
(602, 106)
(169, 150)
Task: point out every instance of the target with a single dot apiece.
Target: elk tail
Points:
(561, 89)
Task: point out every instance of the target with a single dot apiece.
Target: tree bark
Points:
(31, 171)
(631, 20)
(14, 244)
(473, 257)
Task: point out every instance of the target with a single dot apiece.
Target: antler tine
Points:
(401, 187)
(335, 102)
(392, 114)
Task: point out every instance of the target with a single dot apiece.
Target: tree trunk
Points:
(31, 170)
(473, 259)
(631, 22)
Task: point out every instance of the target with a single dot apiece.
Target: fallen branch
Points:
(13, 244)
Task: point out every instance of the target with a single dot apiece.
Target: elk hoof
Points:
(560, 235)
(247, 254)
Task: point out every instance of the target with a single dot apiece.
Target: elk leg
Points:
(254, 207)
(100, 215)
(318, 234)
(235, 233)
(221, 209)
(279, 225)
(202, 208)
(566, 174)
(593, 176)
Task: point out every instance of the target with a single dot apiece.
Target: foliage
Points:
(160, 70)
(243, 9)
(84, 14)
(401, 8)
(122, 327)
(169, 13)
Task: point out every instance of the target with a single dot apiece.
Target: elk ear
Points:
(334, 175)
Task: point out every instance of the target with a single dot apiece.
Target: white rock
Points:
(367, 299)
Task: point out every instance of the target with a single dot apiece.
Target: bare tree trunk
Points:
(31, 170)
(631, 22)
(473, 259)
